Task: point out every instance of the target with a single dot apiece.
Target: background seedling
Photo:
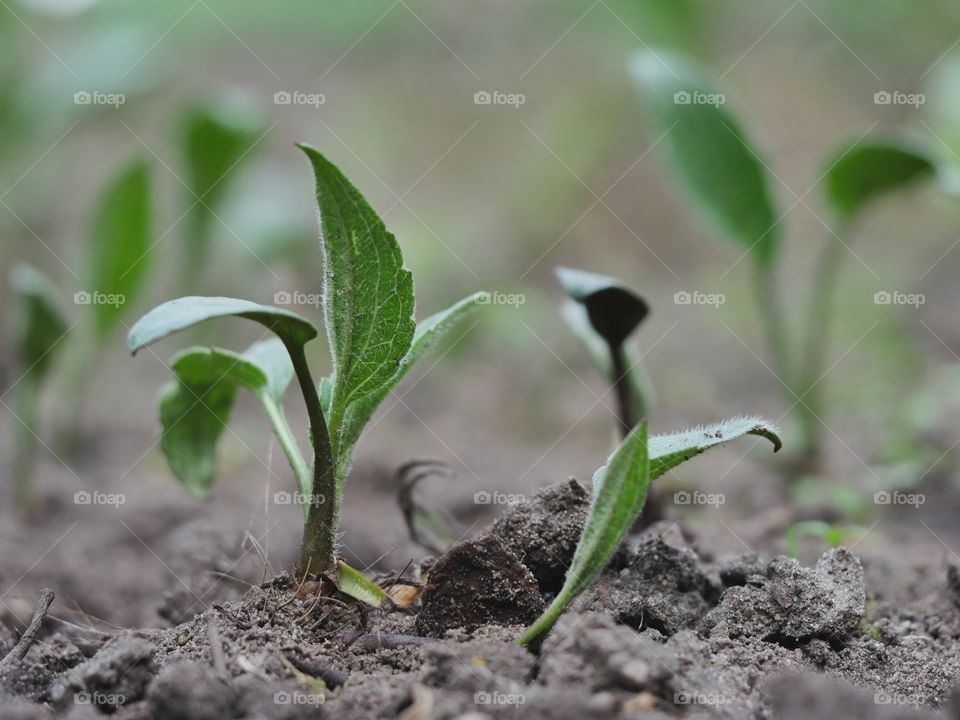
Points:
(40, 326)
(369, 318)
(727, 181)
(619, 491)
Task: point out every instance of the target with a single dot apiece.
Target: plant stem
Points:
(282, 430)
(25, 446)
(318, 544)
(620, 379)
(549, 617)
(772, 315)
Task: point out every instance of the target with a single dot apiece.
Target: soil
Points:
(671, 629)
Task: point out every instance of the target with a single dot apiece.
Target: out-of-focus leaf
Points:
(870, 168)
(120, 245)
(616, 504)
(709, 151)
(614, 310)
(40, 324)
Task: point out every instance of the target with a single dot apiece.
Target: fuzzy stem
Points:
(549, 617)
(318, 544)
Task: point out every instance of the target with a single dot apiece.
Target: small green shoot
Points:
(833, 535)
(369, 317)
(603, 313)
(619, 492)
(39, 327)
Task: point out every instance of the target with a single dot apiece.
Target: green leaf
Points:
(868, 169)
(368, 294)
(614, 310)
(709, 152)
(616, 504)
(120, 245)
(216, 138)
(195, 409)
(182, 313)
(40, 323)
(355, 584)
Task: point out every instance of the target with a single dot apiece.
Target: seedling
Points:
(368, 308)
(727, 181)
(619, 491)
(40, 326)
(603, 314)
(833, 535)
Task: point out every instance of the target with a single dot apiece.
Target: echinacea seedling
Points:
(38, 331)
(603, 313)
(728, 182)
(368, 307)
(619, 491)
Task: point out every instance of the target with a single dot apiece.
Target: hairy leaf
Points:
(866, 170)
(353, 583)
(120, 245)
(40, 323)
(368, 294)
(709, 152)
(616, 504)
(182, 313)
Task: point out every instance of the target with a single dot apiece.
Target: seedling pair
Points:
(728, 182)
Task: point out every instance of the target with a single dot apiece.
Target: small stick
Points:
(216, 647)
(19, 650)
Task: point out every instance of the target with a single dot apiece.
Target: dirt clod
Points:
(477, 582)
(190, 691)
(116, 676)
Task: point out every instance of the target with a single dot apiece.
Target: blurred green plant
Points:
(727, 181)
(830, 533)
(40, 325)
(368, 305)
(619, 492)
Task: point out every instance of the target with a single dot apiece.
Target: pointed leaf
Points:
(866, 170)
(40, 323)
(271, 357)
(120, 245)
(182, 313)
(709, 152)
(616, 505)
(355, 584)
(614, 310)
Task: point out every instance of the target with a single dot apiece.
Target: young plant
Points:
(368, 308)
(603, 313)
(619, 491)
(727, 181)
(39, 328)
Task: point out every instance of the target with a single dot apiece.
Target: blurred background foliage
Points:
(495, 196)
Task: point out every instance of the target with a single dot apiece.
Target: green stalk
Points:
(620, 379)
(319, 534)
(25, 446)
(771, 313)
(290, 448)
